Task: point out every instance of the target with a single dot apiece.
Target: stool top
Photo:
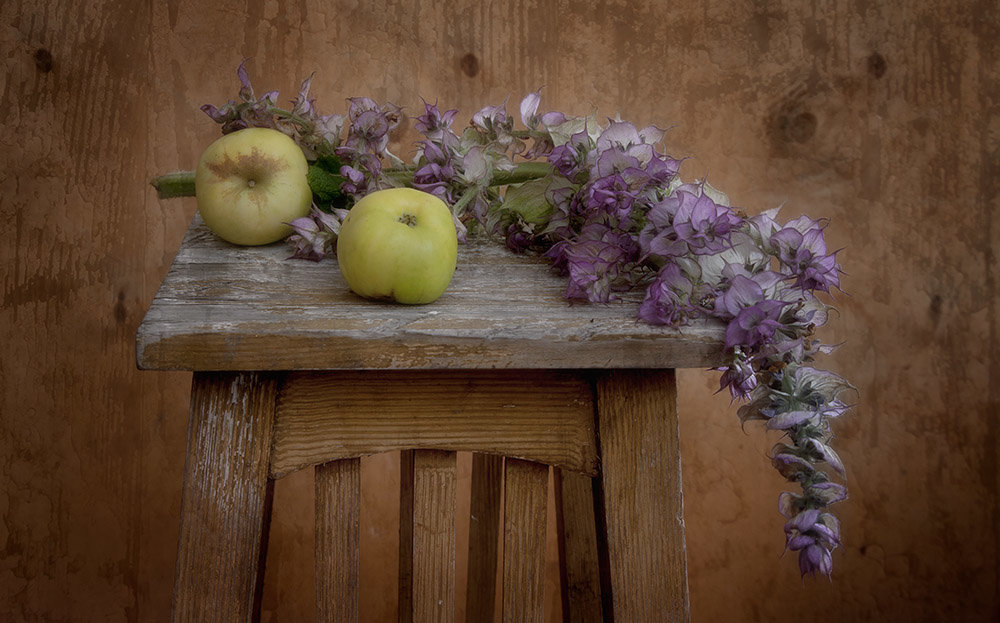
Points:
(224, 307)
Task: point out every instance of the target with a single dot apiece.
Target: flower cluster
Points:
(316, 134)
(611, 213)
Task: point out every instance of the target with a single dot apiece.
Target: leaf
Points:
(325, 179)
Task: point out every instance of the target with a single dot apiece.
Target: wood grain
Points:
(525, 494)
(576, 528)
(484, 530)
(643, 499)
(227, 307)
(434, 483)
(338, 519)
(227, 498)
(545, 415)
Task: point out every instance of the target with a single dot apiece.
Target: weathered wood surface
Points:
(228, 307)
(542, 415)
(643, 499)
(338, 526)
(434, 490)
(525, 485)
(226, 507)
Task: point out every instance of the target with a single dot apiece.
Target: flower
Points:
(315, 234)
(814, 535)
(669, 297)
(703, 224)
(597, 263)
(739, 376)
(433, 123)
(801, 249)
(570, 157)
(370, 124)
(249, 112)
(436, 174)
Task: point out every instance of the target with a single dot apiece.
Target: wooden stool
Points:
(291, 370)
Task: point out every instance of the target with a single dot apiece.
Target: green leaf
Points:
(325, 180)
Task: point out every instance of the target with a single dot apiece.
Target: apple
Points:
(398, 244)
(250, 184)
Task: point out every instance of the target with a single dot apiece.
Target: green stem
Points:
(523, 172)
(465, 199)
(177, 184)
(181, 183)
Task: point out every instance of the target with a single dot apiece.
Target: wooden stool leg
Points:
(641, 474)
(226, 504)
(434, 488)
(484, 530)
(578, 547)
(338, 512)
(525, 494)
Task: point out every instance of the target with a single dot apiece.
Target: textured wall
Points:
(883, 116)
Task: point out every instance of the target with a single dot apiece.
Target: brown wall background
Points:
(883, 116)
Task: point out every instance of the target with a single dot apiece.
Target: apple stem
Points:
(177, 184)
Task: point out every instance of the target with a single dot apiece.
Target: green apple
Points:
(400, 245)
(250, 184)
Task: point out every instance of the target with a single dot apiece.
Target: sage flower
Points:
(433, 123)
(703, 224)
(570, 157)
(315, 234)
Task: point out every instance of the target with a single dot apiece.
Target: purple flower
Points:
(739, 376)
(597, 263)
(490, 118)
(624, 135)
(814, 535)
(329, 127)
(801, 249)
(615, 161)
(790, 419)
(793, 467)
(661, 170)
(433, 123)
(370, 125)
(362, 178)
(612, 196)
(302, 105)
(529, 106)
(827, 493)
(568, 159)
(755, 326)
(437, 173)
(315, 234)
(518, 237)
(703, 224)
(668, 298)
(249, 112)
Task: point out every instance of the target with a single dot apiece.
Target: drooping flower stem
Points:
(181, 183)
